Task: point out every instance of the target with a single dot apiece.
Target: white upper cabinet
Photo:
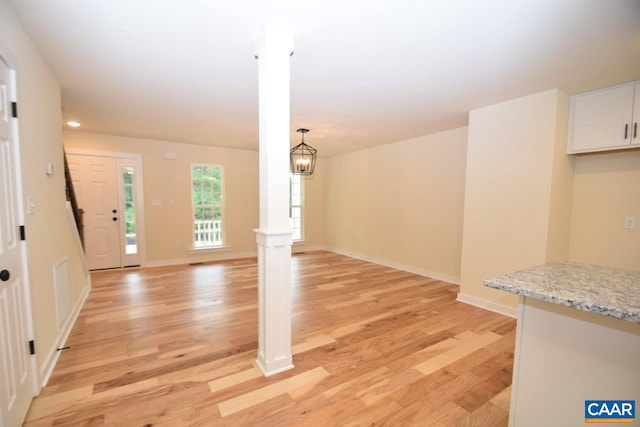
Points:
(605, 119)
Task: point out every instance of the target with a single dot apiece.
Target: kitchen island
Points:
(578, 339)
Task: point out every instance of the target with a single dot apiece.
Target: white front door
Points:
(16, 369)
(94, 181)
(105, 188)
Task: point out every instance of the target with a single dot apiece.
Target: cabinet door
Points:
(599, 119)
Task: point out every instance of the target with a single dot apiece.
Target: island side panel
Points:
(565, 356)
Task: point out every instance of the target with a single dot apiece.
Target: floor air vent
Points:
(61, 288)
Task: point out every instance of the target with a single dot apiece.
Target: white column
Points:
(274, 235)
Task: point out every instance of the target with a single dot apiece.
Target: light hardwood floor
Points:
(175, 346)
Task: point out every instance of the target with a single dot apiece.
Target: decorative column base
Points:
(274, 301)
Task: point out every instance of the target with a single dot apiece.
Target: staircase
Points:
(71, 198)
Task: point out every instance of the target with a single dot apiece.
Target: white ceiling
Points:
(364, 72)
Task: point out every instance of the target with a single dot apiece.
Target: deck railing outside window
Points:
(208, 233)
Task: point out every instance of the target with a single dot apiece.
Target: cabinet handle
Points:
(626, 130)
(635, 130)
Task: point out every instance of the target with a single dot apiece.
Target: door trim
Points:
(14, 71)
(138, 188)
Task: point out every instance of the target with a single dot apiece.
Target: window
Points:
(206, 195)
(295, 205)
(131, 240)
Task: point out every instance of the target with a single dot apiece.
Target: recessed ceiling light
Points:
(73, 124)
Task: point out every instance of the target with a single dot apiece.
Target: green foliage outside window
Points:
(206, 196)
(207, 186)
(129, 207)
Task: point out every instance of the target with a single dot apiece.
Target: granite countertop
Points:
(607, 291)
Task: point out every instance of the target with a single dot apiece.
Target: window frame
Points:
(300, 206)
(221, 207)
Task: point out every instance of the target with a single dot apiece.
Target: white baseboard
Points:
(467, 299)
(209, 258)
(403, 267)
(295, 248)
(54, 353)
(299, 247)
(488, 305)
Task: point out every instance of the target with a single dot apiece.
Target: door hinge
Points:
(32, 347)
(14, 110)
(23, 234)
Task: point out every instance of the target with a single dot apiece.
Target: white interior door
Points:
(16, 369)
(106, 190)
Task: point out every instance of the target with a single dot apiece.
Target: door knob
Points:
(114, 211)
(115, 219)
(4, 275)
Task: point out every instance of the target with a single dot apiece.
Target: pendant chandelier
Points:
(302, 157)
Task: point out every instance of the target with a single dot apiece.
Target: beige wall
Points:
(518, 191)
(49, 235)
(168, 228)
(606, 190)
(400, 203)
